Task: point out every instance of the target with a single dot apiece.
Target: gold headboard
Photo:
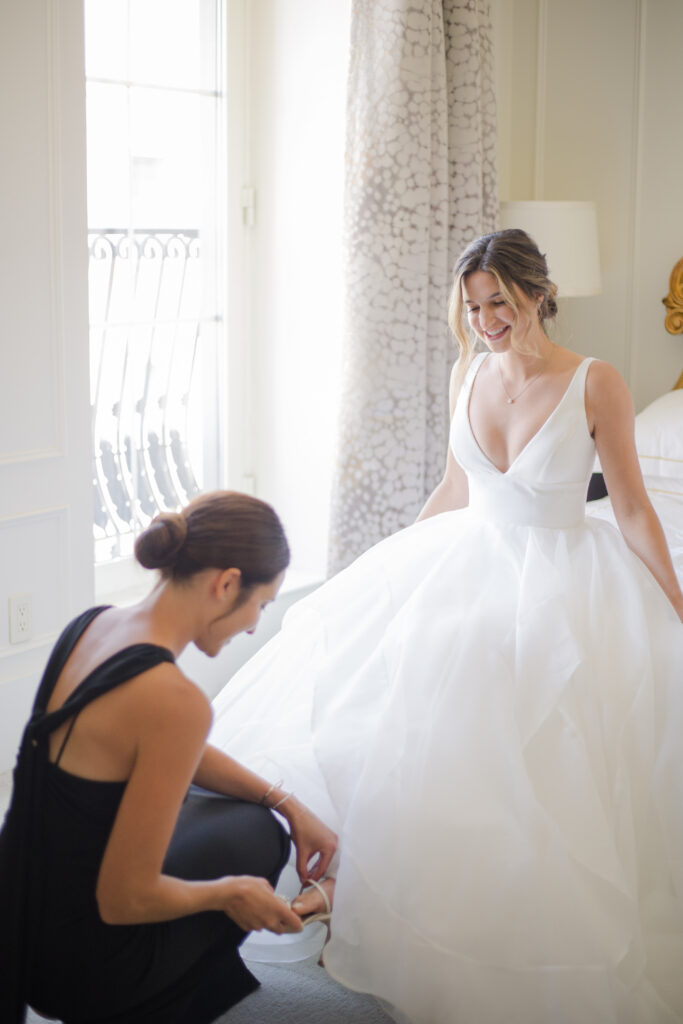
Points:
(673, 320)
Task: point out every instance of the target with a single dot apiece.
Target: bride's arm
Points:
(220, 773)
(452, 491)
(610, 415)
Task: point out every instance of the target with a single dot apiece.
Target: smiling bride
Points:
(488, 706)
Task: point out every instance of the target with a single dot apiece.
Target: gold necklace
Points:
(513, 398)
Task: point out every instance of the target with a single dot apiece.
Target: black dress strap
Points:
(119, 668)
(67, 736)
(61, 652)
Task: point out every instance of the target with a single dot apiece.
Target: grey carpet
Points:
(303, 994)
(296, 994)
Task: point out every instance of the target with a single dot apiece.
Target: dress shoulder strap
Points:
(477, 360)
(582, 371)
(466, 386)
(119, 668)
(61, 651)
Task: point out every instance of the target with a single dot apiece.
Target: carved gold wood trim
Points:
(673, 321)
(674, 301)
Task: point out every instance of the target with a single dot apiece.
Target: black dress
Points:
(56, 953)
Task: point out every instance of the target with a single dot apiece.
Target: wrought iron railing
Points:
(148, 362)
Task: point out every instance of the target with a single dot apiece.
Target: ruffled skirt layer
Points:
(491, 716)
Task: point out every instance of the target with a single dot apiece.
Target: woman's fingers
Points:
(311, 900)
(323, 862)
(289, 921)
(253, 905)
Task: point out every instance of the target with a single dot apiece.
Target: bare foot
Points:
(310, 901)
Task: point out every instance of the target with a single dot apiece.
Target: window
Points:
(155, 123)
(216, 274)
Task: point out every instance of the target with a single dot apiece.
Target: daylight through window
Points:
(155, 159)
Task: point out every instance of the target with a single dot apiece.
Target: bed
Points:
(659, 442)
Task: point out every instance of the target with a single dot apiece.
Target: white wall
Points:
(590, 96)
(297, 90)
(45, 492)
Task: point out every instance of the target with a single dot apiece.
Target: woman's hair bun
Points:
(158, 546)
(219, 530)
(548, 309)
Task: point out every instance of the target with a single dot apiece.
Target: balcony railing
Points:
(151, 352)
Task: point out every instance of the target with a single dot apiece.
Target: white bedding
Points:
(659, 443)
(669, 508)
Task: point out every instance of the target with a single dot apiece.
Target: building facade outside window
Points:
(155, 137)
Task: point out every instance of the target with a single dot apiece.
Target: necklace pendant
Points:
(510, 401)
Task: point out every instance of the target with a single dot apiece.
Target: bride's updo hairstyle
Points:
(514, 259)
(220, 530)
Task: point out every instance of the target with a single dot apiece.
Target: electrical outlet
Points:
(20, 618)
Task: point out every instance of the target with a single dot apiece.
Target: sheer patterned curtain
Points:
(420, 184)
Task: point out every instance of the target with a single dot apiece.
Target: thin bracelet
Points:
(275, 785)
(280, 802)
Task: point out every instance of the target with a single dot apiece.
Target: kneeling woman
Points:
(124, 898)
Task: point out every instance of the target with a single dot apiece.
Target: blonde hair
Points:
(515, 260)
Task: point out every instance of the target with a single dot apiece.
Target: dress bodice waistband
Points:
(503, 500)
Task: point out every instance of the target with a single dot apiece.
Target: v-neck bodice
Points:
(545, 484)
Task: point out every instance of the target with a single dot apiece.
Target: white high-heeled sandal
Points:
(321, 915)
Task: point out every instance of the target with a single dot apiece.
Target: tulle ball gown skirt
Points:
(492, 718)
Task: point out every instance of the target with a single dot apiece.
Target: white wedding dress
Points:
(488, 707)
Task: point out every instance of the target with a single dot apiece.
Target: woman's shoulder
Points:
(166, 683)
(165, 711)
(601, 375)
(166, 702)
(608, 398)
(173, 716)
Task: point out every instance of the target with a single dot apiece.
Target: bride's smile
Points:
(493, 318)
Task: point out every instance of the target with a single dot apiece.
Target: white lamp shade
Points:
(567, 233)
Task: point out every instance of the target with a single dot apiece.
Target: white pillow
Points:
(659, 442)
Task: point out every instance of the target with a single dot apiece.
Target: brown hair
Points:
(220, 530)
(514, 259)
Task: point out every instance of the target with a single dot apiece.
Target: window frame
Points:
(121, 579)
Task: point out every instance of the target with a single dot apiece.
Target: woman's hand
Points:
(311, 837)
(252, 904)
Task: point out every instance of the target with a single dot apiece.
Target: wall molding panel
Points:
(639, 60)
(541, 86)
(39, 243)
(46, 547)
(56, 235)
(44, 575)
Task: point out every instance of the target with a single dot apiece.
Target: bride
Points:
(487, 706)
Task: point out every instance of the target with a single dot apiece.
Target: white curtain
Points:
(420, 184)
